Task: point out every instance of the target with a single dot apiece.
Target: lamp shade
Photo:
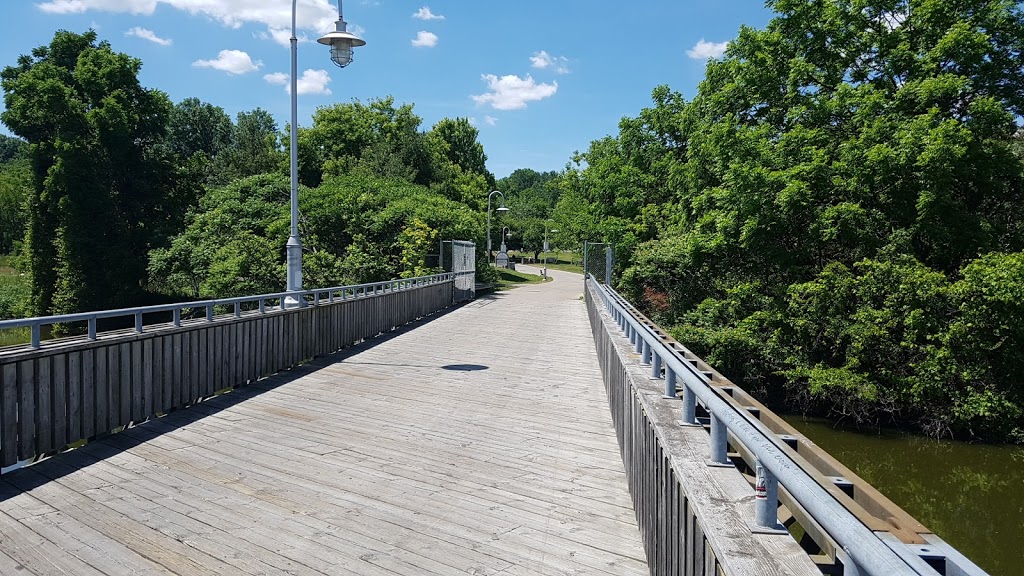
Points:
(341, 42)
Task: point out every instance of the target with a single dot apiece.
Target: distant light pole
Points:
(501, 210)
(546, 250)
(341, 43)
(506, 232)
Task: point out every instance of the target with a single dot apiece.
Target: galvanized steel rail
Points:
(864, 551)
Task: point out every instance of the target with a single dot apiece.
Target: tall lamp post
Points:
(501, 210)
(546, 250)
(341, 42)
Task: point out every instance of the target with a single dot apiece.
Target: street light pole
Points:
(546, 250)
(341, 43)
(294, 246)
(502, 209)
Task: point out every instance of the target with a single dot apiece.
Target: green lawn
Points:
(14, 292)
(509, 278)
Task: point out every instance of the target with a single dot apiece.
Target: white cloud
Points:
(282, 36)
(279, 78)
(491, 120)
(314, 82)
(425, 40)
(425, 14)
(147, 34)
(311, 82)
(512, 92)
(545, 61)
(705, 50)
(313, 15)
(230, 61)
(472, 120)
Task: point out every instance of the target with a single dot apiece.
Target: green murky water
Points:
(970, 495)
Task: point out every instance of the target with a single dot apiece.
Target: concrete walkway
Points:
(479, 442)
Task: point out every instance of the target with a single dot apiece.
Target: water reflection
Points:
(970, 495)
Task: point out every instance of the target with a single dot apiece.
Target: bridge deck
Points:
(380, 460)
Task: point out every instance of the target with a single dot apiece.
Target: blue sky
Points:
(540, 78)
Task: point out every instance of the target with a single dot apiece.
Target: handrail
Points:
(300, 297)
(871, 552)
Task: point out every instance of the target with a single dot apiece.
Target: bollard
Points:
(766, 501)
(719, 443)
(689, 408)
(656, 368)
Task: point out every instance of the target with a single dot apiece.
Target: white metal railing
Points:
(301, 299)
(870, 553)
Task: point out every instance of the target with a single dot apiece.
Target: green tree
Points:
(254, 147)
(376, 138)
(103, 191)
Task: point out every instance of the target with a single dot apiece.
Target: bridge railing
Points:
(57, 393)
(859, 548)
(263, 302)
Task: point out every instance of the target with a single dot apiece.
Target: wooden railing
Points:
(77, 389)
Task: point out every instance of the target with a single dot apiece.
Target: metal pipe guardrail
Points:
(317, 295)
(865, 551)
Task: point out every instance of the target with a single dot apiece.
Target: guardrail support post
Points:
(689, 408)
(639, 347)
(646, 358)
(92, 328)
(138, 322)
(209, 312)
(177, 317)
(719, 443)
(238, 309)
(766, 502)
(37, 337)
(656, 367)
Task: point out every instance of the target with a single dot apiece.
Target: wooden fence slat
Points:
(89, 391)
(60, 401)
(74, 379)
(44, 406)
(26, 409)
(9, 415)
(124, 414)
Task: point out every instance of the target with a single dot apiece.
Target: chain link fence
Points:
(459, 257)
(598, 259)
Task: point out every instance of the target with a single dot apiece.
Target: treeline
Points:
(115, 196)
(835, 219)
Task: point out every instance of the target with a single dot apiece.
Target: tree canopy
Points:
(836, 211)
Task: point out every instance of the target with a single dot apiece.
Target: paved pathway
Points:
(477, 443)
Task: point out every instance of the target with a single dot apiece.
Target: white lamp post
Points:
(502, 210)
(341, 43)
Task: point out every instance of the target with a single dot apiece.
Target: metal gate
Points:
(459, 257)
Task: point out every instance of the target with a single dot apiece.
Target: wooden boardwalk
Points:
(477, 443)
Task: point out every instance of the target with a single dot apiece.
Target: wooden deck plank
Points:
(387, 459)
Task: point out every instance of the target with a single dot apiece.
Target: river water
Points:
(971, 495)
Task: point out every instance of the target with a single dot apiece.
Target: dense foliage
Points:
(836, 217)
(115, 196)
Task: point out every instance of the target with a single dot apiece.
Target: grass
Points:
(14, 292)
(508, 278)
(564, 261)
